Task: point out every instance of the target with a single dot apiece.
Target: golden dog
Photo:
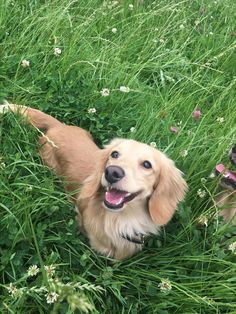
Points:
(122, 193)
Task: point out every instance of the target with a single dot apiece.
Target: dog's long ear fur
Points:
(91, 185)
(169, 191)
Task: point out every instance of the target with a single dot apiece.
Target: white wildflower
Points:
(25, 63)
(211, 33)
(105, 92)
(92, 110)
(114, 30)
(124, 89)
(181, 26)
(51, 297)
(32, 270)
(131, 7)
(57, 52)
(202, 220)
(165, 285)
(162, 41)
(212, 175)
(12, 289)
(220, 119)
(29, 188)
(201, 193)
(2, 165)
(153, 144)
(50, 270)
(184, 153)
(232, 247)
(132, 129)
(179, 123)
(155, 41)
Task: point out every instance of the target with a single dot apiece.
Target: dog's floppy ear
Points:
(92, 183)
(169, 191)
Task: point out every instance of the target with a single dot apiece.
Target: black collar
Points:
(137, 239)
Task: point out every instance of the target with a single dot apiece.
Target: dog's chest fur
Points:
(129, 222)
(111, 228)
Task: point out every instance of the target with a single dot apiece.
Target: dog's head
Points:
(130, 173)
(228, 177)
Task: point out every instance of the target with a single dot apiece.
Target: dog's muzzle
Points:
(228, 179)
(114, 197)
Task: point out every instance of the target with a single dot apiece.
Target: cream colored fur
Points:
(71, 152)
(226, 202)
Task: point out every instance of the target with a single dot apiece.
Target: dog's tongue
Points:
(227, 173)
(220, 168)
(231, 175)
(115, 197)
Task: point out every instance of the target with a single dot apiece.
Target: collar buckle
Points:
(139, 238)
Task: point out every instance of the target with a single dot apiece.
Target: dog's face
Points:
(228, 179)
(135, 174)
(130, 174)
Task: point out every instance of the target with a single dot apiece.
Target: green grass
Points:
(175, 56)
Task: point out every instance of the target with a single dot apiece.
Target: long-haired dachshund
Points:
(122, 193)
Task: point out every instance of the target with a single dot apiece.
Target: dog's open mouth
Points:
(115, 199)
(229, 177)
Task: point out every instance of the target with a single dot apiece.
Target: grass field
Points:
(173, 57)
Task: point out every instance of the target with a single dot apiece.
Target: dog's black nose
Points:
(114, 174)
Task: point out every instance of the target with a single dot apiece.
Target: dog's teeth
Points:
(119, 202)
(128, 194)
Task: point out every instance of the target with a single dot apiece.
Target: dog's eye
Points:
(115, 154)
(146, 164)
